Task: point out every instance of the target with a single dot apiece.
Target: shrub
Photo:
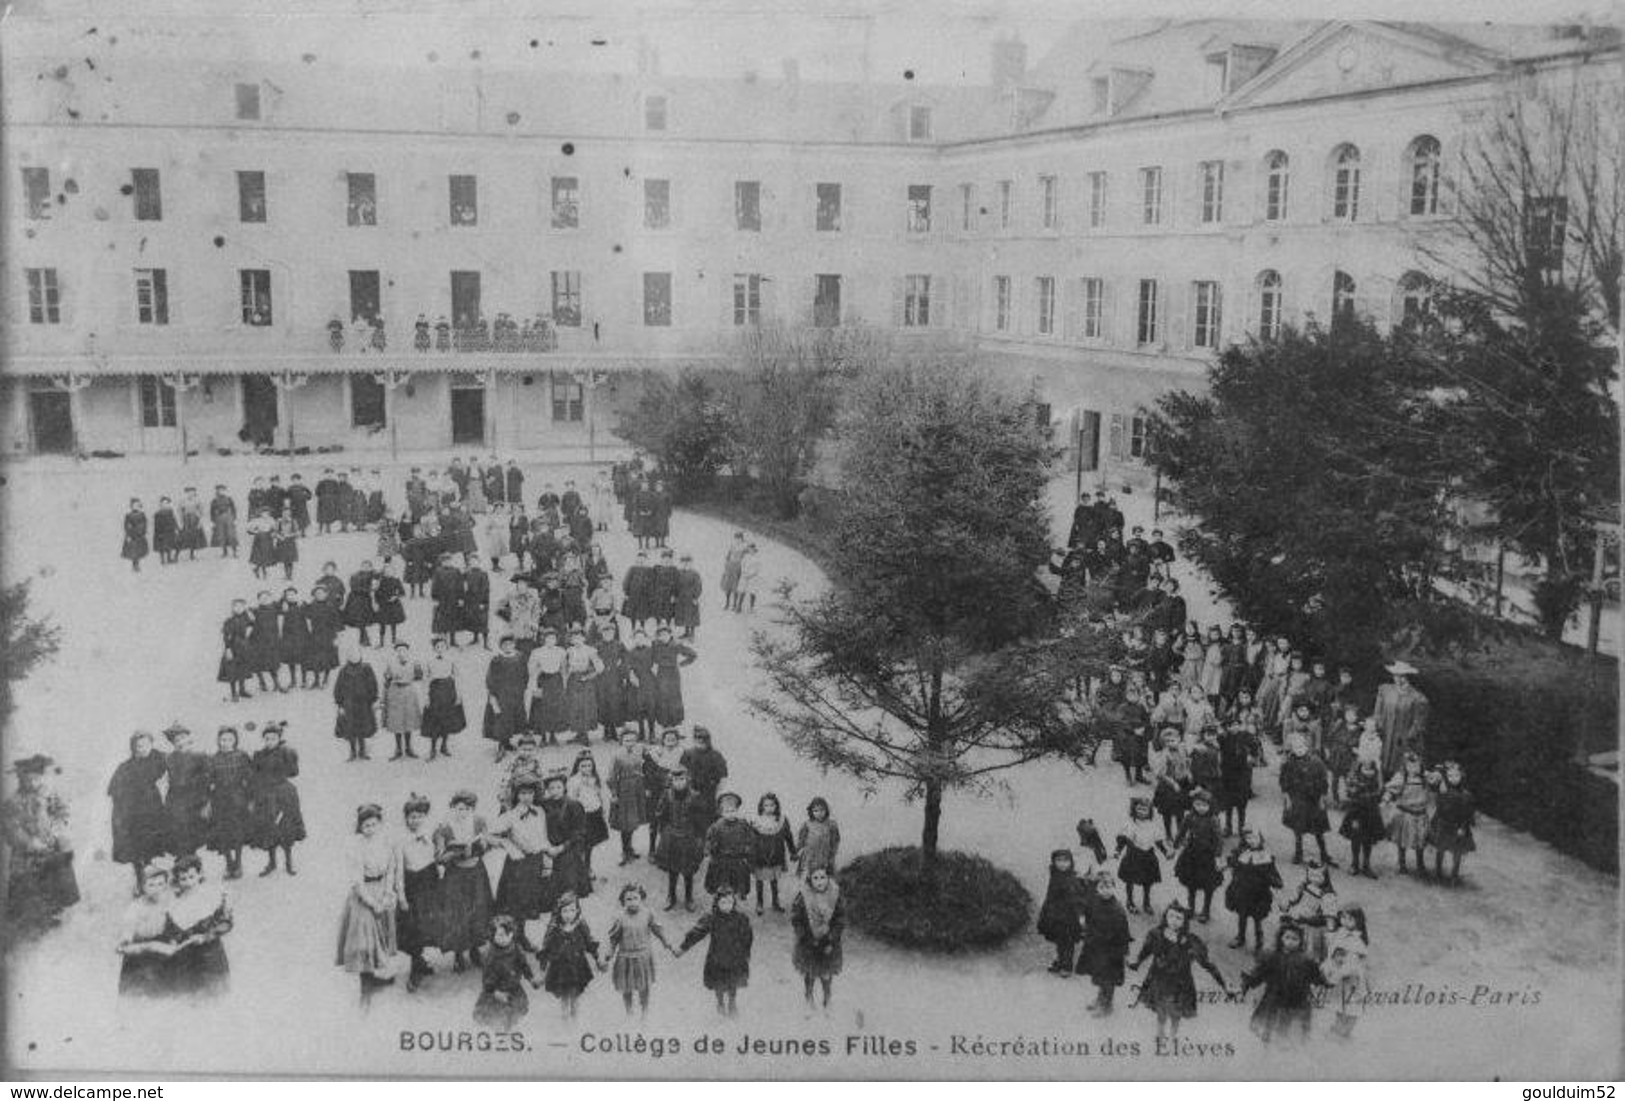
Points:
(971, 904)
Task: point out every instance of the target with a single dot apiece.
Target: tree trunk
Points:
(933, 824)
(935, 737)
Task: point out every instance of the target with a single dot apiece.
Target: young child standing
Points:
(631, 948)
(568, 954)
(367, 940)
(1412, 801)
(503, 1002)
(775, 848)
(1304, 783)
(1451, 830)
(818, 841)
(1060, 918)
(1311, 909)
(727, 957)
(1253, 880)
(1137, 849)
(1105, 942)
(1348, 948)
(1288, 976)
(1362, 822)
(818, 917)
(1169, 990)
(1198, 867)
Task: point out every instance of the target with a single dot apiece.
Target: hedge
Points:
(971, 904)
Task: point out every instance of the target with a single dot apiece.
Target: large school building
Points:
(213, 247)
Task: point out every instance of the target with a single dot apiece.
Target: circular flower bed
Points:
(968, 903)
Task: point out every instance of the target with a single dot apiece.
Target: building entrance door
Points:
(50, 418)
(259, 411)
(468, 415)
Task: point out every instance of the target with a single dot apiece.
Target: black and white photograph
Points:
(880, 539)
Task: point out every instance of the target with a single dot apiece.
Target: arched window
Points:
(1423, 159)
(1269, 304)
(1415, 298)
(1275, 186)
(1345, 166)
(1342, 297)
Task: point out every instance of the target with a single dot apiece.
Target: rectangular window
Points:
(1097, 200)
(569, 398)
(366, 296)
(465, 201)
(1151, 196)
(1093, 294)
(44, 299)
(1047, 202)
(919, 208)
(37, 190)
(829, 207)
(149, 203)
(151, 296)
(1001, 303)
(919, 123)
(1346, 188)
(656, 204)
(1546, 227)
(1145, 330)
(654, 112)
(251, 196)
(256, 295)
(1005, 189)
(248, 102)
(747, 299)
(1045, 288)
(1206, 300)
(366, 401)
(1212, 192)
(567, 299)
(967, 208)
(465, 299)
(657, 298)
(1139, 438)
(748, 205)
(362, 207)
(827, 301)
(916, 301)
(566, 202)
(157, 403)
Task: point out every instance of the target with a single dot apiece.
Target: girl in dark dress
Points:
(460, 844)
(586, 789)
(443, 714)
(668, 658)
(199, 918)
(567, 834)
(1451, 830)
(166, 532)
(683, 819)
(1304, 783)
(775, 848)
(358, 607)
(1060, 918)
(278, 820)
(506, 678)
(727, 957)
(1288, 976)
(611, 684)
(568, 954)
(1254, 879)
(261, 528)
(231, 774)
(355, 691)
(1238, 747)
(135, 535)
(388, 596)
(223, 522)
(140, 829)
(1137, 849)
(1105, 942)
(422, 906)
(144, 971)
(236, 650)
(285, 541)
(446, 590)
(523, 886)
(730, 846)
(818, 916)
(324, 622)
(1362, 822)
(186, 797)
(294, 639)
(1169, 989)
(1198, 864)
(503, 1002)
(640, 692)
(265, 642)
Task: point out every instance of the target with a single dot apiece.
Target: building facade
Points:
(300, 254)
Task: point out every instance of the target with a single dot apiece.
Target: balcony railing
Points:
(502, 335)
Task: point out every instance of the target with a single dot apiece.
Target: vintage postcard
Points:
(873, 540)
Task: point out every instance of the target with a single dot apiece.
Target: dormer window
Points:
(1216, 75)
(919, 123)
(654, 112)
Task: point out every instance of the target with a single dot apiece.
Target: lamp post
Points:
(590, 380)
(182, 383)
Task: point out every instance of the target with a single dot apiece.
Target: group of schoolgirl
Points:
(1319, 943)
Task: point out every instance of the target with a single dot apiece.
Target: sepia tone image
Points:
(874, 540)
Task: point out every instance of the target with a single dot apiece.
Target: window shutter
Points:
(1108, 311)
(1072, 293)
(1179, 296)
(897, 302)
(1116, 446)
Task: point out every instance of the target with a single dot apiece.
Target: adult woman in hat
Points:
(144, 971)
(231, 778)
(40, 882)
(140, 828)
(1402, 716)
(199, 919)
(278, 818)
(367, 934)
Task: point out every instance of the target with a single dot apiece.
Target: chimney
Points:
(1009, 63)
